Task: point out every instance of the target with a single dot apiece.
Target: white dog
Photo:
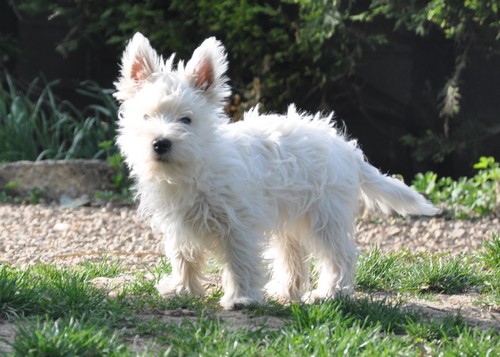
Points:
(290, 181)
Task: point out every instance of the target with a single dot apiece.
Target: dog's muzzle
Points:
(161, 146)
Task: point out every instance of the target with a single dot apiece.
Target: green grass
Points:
(65, 337)
(59, 312)
(404, 272)
(419, 273)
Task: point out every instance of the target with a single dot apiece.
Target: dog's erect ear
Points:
(139, 62)
(206, 69)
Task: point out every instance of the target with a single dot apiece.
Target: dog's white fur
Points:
(291, 181)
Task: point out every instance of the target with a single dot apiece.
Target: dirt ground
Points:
(30, 234)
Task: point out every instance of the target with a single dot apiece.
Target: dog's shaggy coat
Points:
(291, 182)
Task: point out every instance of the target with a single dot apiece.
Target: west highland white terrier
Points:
(291, 183)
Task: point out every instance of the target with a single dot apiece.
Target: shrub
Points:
(35, 125)
(465, 197)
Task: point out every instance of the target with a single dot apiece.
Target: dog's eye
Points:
(185, 120)
(147, 116)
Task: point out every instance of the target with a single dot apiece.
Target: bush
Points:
(309, 52)
(36, 125)
(465, 197)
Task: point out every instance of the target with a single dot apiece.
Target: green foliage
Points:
(7, 192)
(457, 20)
(304, 51)
(465, 197)
(9, 47)
(114, 158)
(34, 125)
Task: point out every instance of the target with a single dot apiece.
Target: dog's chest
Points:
(206, 217)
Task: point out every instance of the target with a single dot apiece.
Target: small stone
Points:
(61, 226)
(457, 233)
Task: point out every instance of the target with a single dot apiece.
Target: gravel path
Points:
(49, 233)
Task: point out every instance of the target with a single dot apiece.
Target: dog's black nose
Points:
(161, 146)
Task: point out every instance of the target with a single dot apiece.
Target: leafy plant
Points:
(34, 125)
(465, 197)
(7, 192)
(309, 52)
(116, 161)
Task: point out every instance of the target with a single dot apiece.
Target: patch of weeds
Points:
(376, 271)
(491, 252)
(141, 294)
(66, 337)
(104, 267)
(452, 336)
(36, 194)
(153, 327)
(209, 337)
(160, 269)
(433, 330)
(116, 161)
(472, 342)
(9, 193)
(441, 274)
(123, 196)
(388, 318)
(490, 257)
(140, 286)
(120, 178)
(17, 292)
(55, 293)
(338, 328)
(271, 308)
(71, 293)
(198, 303)
(405, 272)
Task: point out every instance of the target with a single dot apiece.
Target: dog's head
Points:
(169, 115)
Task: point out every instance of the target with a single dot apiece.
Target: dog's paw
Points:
(281, 294)
(172, 286)
(318, 295)
(238, 303)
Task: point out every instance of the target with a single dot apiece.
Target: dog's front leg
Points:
(187, 271)
(242, 277)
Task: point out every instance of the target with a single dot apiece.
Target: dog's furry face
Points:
(168, 115)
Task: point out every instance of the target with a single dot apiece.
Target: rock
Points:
(55, 178)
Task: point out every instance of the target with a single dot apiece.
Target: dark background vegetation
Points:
(417, 82)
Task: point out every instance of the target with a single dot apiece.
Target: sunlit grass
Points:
(59, 310)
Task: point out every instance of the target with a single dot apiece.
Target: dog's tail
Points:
(390, 194)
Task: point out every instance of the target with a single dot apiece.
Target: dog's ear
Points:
(206, 70)
(139, 62)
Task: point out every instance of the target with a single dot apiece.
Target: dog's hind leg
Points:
(242, 277)
(289, 267)
(335, 256)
